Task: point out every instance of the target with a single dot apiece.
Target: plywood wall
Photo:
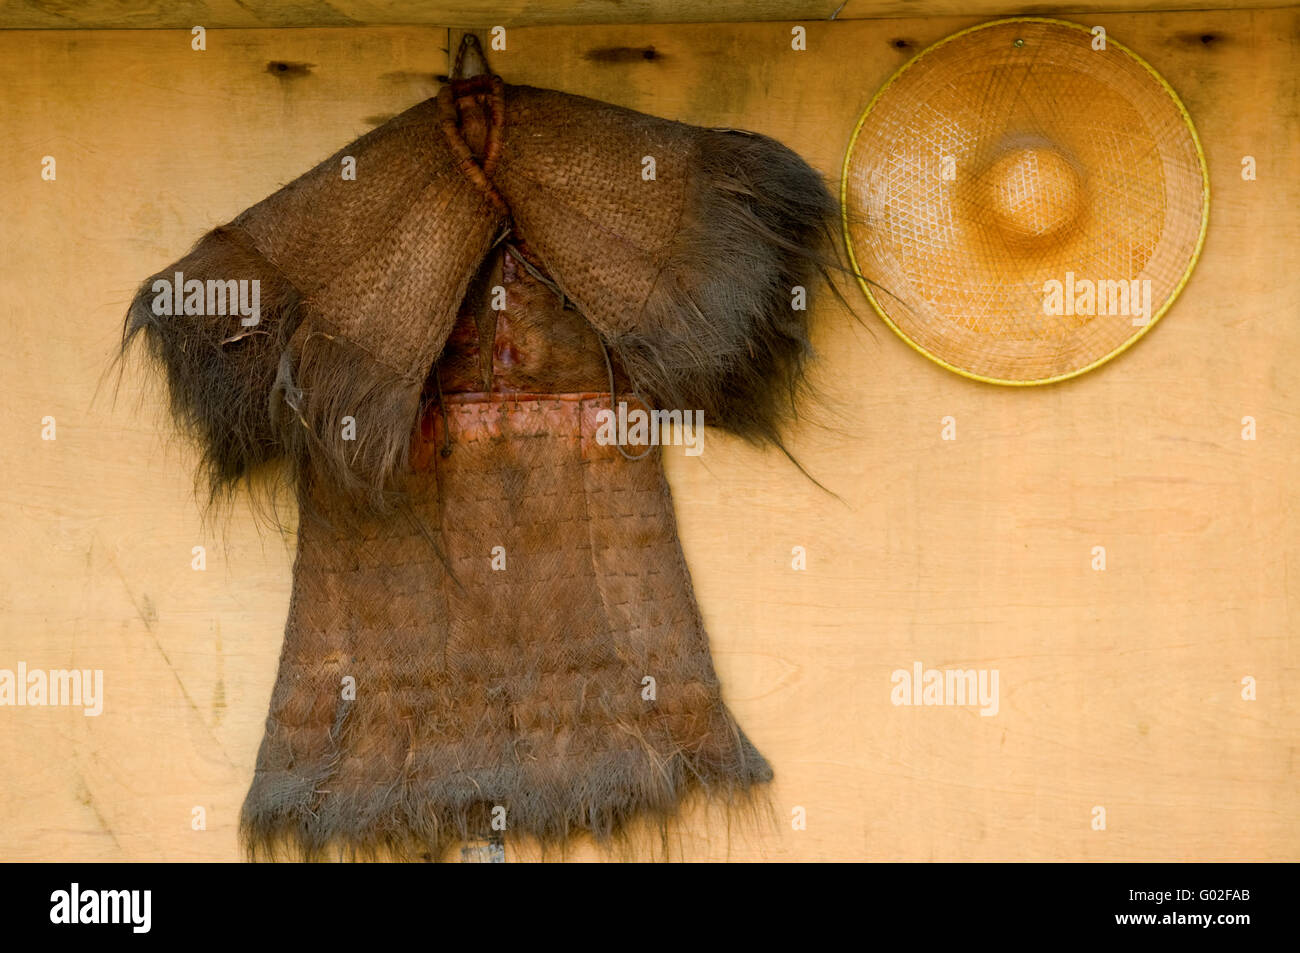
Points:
(1120, 689)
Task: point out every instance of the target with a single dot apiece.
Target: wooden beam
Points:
(252, 14)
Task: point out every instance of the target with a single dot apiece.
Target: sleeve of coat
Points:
(685, 247)
(335, 257)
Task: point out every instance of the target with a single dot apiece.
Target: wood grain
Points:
(1119, 689)
(246, 14)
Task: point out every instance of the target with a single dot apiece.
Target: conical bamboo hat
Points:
(1023, 201)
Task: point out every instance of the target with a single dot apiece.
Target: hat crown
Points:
(1034, 193)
